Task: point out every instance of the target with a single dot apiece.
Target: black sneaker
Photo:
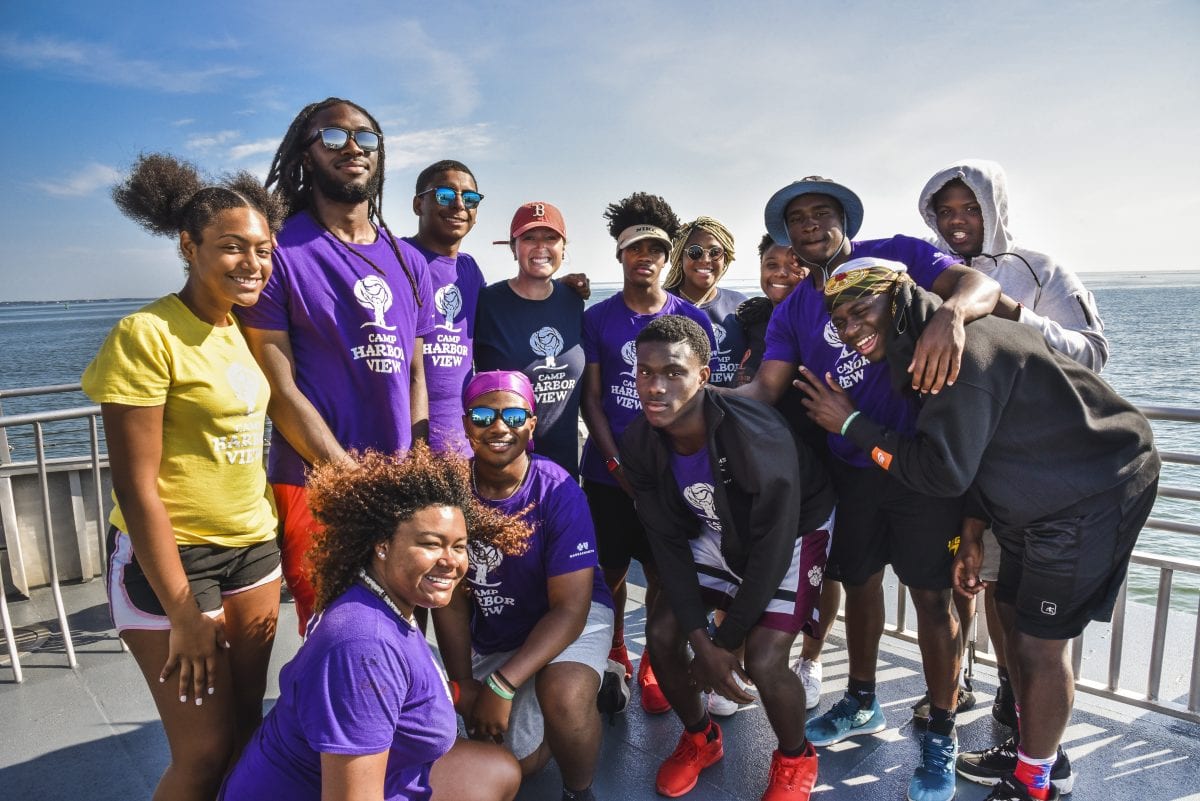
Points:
(966, 700)
(999, 761)
(1009, 789)
(613, 697)
(1004, 708)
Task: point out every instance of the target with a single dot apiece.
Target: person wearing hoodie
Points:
(880, 521)
(1063, 468)
(965, 204)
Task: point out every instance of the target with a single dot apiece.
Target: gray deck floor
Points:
(93, 732)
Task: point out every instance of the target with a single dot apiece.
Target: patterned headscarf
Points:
(709, 225)
(860, 278)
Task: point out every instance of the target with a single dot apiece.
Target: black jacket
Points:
(769, 491)
(1027, 429)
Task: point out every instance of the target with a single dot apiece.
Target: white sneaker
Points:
(809, 671)
(723, 707)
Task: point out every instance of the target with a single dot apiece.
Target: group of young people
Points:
(886, 402)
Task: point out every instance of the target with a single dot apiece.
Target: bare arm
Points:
(570, 596)
(291, 412)
(134, 436)
(452, 624)
(418, 395)
(353, 778)
(770, 382)
(968, 295)
(592, 407)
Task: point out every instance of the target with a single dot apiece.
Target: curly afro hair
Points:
(674, 329)
(641, 208)
(360, 508)
(167, 196)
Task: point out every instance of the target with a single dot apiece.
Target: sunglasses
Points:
(444, 196)
(485, 416)
(696, 253)
(338, 138)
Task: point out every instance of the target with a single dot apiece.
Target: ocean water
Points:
(1149, 320)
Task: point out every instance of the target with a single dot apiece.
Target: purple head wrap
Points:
(501, 381)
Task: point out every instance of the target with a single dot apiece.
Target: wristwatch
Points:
(612, 463)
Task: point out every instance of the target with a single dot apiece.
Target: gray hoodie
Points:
(1052, 297)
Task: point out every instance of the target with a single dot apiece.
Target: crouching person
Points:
(738, 515)
(528, 642)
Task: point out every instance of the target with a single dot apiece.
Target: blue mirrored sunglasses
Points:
(485, 416)
(444, 195)
(338, 138)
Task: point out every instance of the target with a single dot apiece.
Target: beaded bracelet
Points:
(495, 687)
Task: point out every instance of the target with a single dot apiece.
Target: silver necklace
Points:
(521, 483)
(373, 585)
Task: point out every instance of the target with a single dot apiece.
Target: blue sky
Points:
(1093, 109)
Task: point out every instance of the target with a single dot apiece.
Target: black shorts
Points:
(212, 572)
(620, 536)
(1064, 571)
(880, 522)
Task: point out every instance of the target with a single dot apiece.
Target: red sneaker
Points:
(653, 700)
(681, 770)
(791, 778)
(620, 653)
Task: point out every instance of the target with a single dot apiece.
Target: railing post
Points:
(55, 589)
(1158, 644)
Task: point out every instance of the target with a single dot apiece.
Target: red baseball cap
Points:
(537, 214)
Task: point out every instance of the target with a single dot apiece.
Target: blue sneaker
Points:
(933, 779)
(846, 719)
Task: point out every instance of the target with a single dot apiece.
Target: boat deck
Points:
(93, 732)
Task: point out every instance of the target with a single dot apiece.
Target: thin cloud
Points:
(423, 147)
(182, 123)
(208, 141)
(87, 180)
(247, 149)
(97, 63)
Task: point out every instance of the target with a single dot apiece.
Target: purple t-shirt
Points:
(694, 477)
(801, 332)
(363, 682)
(351, 329)
(609, 330)
(449, 349)
(509, 592)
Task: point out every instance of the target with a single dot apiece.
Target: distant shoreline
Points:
(1094, 280)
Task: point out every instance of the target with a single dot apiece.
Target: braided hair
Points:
(708, 225)
(295, 187)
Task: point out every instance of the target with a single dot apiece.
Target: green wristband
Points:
(495, 687)
(849, 420)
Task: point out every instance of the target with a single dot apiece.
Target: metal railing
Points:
(1167, 567)
(1111, 688)
(37, 421)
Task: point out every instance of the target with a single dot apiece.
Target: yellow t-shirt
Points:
(214, 395)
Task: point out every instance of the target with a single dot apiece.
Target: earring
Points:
(381, 554)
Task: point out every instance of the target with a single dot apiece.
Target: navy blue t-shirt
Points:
(543, 339)
(731, 338)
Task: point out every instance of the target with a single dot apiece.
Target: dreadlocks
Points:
(295, 187)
